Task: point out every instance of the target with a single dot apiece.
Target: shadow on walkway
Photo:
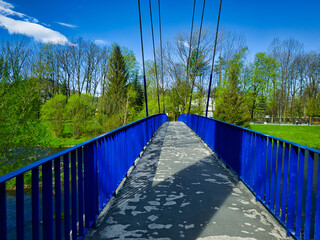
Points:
(179, 190)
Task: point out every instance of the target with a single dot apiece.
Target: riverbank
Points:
(22, 156)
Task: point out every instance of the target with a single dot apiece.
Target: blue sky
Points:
(106, 21)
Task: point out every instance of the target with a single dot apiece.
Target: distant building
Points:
(196, 104)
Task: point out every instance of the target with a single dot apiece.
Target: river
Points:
(22, 156)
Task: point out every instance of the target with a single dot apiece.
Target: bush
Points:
(52, 111)
(111, 123)
(79, 109)
(93, 127)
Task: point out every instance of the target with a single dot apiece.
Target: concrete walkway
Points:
(180, 190)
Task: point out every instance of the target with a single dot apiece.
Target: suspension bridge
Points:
(198, 178)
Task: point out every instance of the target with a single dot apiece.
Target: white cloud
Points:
(6, 10)
(100, 42)
(67, 25)
(36, 31)
(184, 43)
(27, 26)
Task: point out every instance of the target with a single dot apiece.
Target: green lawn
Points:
(304, 135)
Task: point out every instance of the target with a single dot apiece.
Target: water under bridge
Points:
(198, 178)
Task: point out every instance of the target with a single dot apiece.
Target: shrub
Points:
(52, 111)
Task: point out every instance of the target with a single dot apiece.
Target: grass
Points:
(305, 135)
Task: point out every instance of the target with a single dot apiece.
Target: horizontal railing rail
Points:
(283, 175)
(69, 189)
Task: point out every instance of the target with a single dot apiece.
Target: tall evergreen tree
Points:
(117, 80)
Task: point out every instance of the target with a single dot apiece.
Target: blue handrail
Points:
(95, 168)
(284, 176)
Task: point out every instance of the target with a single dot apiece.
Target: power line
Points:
(154, 56)
(144, 72)
(164, 109)
(214, 54)
(197, 54)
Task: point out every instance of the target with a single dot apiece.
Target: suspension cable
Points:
(214, 54)
(144, 72)
(188, 59)
(197, 54)
(154, 56)
(163, 108)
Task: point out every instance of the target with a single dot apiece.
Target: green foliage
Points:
(19, 112)
(230, 102)
(117, 80)
(53, 111)
(112, 122)
(261, 84)
(81, 112)
(198, 65)
(131, 63)
(135, 99)
(313, 106)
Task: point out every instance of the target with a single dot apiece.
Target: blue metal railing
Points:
(284, 176)
(96, 166)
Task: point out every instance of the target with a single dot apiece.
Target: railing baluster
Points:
(104, 171)
(57, 197)
(100, 174)
(35, 204)
(66, 208)
(292, 187)
(3, 211)
(74, 194)
(90, 180)
(86, 186)
(20, 206)
(268, 170)
(285, 182)
(300, 191)
(263, 166)
(243, 154)
(257, 163)
(251, 160)
(47, 200)
(279, 179)
(112, 150)
(307, 227)
(80, 191)
(95, 206)
(273, 174)
(317, 213)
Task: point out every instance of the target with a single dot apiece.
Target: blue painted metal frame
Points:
(102, 164)
(282, 174)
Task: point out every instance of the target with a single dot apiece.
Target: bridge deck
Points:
(180, 190)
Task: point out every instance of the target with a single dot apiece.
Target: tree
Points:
(44, 71)
(52, 111)
(19, 112)
(285, 52)
(81, 113)
(117, 81)
(230, 103)
(262, 83)
(134, 102)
